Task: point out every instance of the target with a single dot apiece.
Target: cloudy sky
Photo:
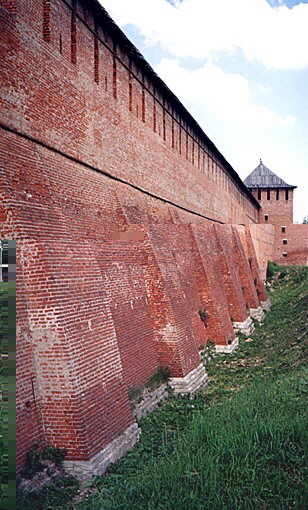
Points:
(241, 68)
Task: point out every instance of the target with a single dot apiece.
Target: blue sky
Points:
(241, 68)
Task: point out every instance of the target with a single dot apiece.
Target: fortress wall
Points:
(296, 249)
(73, 88)
(254, 266)
(101, 317)
(77, 358)
(211, 286)
(179, 330)
(112, 277)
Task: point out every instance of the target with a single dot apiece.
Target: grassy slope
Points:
(3, 404)
(240, 444)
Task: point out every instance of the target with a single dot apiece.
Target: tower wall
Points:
(276, 204)
(291, 245)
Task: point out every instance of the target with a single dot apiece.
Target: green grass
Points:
(241, 443)
(4, 288)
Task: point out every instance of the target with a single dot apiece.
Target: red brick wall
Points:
(231, 273)
(179, 330)
(75, 355)
(212, 288)
(263, 237)
(246, 279)
(296, 249)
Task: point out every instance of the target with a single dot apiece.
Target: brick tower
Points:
(276, 199)
(274, 195)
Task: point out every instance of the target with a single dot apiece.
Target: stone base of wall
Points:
(191, 382)
(149, 400)
(227, 348)
(246, 327)
(266, 305)
(85, 469)
(257, 313)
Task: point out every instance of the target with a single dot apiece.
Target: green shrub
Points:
(272, 268)
(37, 454)
(160, 376)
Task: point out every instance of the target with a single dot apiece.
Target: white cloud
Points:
(209, 89)
(276, 37)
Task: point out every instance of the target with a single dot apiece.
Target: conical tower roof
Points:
(263, 177)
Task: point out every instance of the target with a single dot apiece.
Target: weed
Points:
(208, 352)
(160, 376)
(203, 314)
(38, 453)
(4, 326)
(59, 491)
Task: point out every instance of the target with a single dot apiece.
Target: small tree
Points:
(305, 220)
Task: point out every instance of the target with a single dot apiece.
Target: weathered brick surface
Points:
(245, 275)
(263, 238)
(77, 362)
(29, 420)
(230, 272)
(178, 326)
(254, 267)
(292, 245)
(211, 285)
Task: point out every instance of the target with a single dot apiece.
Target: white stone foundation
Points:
(257, 313)
(245, 327)
(227, 348)
(97, 465)
(191, 382)
(149, 400)
(266, 305)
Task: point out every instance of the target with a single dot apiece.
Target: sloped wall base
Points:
(85, 469)
(257, 313)
(150, 400)
(227, 348)
(246, 327)
(191, 382)
(266, 305)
